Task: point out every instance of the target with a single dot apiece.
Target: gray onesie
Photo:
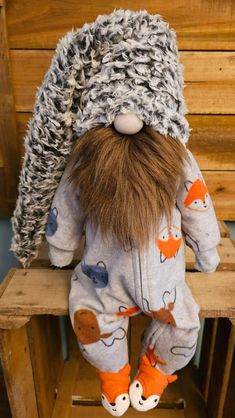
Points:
(111, 284)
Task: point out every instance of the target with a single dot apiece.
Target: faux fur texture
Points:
(123, 62)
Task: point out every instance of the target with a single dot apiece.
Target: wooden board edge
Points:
(7, 280)
(13, 322)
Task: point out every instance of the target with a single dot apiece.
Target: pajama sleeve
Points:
(65, 223)
(199, 221)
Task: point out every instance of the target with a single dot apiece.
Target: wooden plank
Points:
(207, 354)
(229, 406)
(190, 384)
(98, 411)
(212, 139)
(12, 322)
(8, 134)
(83, 391)
(219, 368)
(6, 281)
(227, 372)
(219, 97)
(28, 287)
(1, 160)
(199, 24)
(63, 405)
(226, 252)
(218, 66)
(206, 74)
(46, 359)
(15, 358)
(221, 185)
(212, 295)
(28, 70)
(32, 292)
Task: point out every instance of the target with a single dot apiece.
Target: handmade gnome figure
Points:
(105, 154)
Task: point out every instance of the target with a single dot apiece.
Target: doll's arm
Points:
(199, 221)
(65, 223)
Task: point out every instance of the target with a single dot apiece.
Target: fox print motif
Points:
(86, 327)
(169, 242)
(126, 312)
(146, 389)
(197, 198)
(165, 315)
(154, 360)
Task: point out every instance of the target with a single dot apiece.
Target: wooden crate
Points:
(217, 368)
(41, 385)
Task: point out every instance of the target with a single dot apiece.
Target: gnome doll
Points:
(105, 154)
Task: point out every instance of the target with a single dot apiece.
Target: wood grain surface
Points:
(23, 295)
(199, 24)
(17, 367)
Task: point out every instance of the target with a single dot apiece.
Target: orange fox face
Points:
(165, 315)
(197, 197)
(169, 242)
(148, 386)
(115, 388)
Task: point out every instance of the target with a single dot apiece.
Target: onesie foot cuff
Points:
(148, 386)
(114, 388)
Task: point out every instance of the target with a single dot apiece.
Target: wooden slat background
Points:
(206, 39)
(200, 24)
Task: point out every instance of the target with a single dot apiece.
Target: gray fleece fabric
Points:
(109, 284)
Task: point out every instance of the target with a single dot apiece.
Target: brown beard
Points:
(127, 182)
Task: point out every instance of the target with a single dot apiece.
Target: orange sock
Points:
(114, 389)
(148, 386)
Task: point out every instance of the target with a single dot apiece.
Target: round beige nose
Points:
(128, 123)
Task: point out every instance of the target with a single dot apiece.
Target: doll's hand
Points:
(207, 261)
(58, 257)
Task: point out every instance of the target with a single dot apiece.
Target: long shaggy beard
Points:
(127, 182)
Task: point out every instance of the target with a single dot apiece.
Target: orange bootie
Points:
(114, 388)
(148, 386)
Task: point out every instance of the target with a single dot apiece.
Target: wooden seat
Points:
(45, 291)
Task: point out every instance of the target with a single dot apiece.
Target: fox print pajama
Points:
(111, 284)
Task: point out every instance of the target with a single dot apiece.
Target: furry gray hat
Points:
(123, 62)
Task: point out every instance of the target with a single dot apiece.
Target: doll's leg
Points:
(174, 345)
(104, 345)
(102, 339)
(165, 349)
